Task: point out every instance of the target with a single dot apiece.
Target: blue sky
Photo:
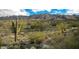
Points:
(44, 11)
(29, 12)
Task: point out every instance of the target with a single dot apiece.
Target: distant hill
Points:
(54, 17)
(43, 17)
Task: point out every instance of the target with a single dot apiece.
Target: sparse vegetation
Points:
(37, 33)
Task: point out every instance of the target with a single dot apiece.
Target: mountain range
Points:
(54, 14)
(42, 17)
(31, 12)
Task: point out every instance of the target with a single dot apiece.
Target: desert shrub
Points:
(71, 42)
(40, 26)
(62, 26)
(37, 35)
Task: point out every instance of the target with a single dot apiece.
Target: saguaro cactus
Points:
(17, 27)
(14, 28)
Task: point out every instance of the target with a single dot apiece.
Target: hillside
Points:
(43, 17)
(39, 32)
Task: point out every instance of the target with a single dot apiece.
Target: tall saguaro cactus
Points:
(14, 28)
(17, 27)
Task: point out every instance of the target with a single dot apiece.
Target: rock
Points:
(32, 47)
(3, 47)
(45, 46)
(12, 36)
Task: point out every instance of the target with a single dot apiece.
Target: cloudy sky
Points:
(50, 11)
(32, 7)
(29, 12)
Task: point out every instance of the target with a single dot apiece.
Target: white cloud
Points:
(20, 12)
(39, 4)
(36, 10)
(73, 11)
(6, 12)
(23, 12)
(11, 12)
